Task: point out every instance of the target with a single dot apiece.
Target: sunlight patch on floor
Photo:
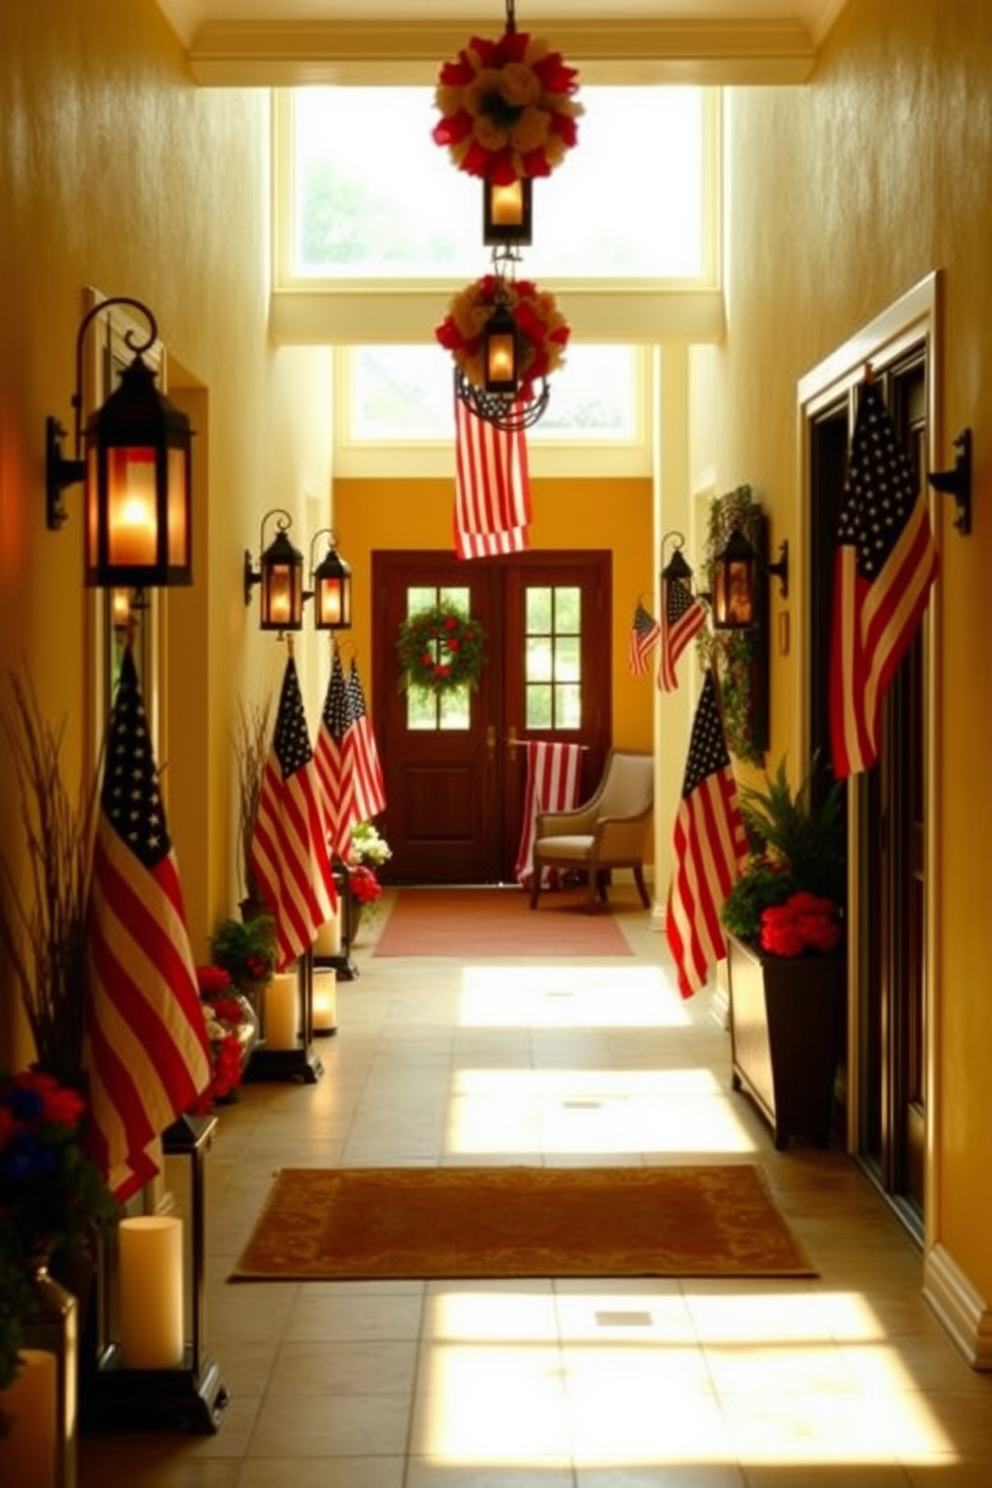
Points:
(596, 1112)
(578, 1374)
(568, 996)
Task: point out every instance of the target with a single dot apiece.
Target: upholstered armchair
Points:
(607, 831)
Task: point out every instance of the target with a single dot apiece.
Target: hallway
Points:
(845, 1379)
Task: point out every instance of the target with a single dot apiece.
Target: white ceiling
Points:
(710, 41)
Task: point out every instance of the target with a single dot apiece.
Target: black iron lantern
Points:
(331, 587)
(280, 574)
(137, 474)
(153, 1366)
(737, 603)
(507, 212)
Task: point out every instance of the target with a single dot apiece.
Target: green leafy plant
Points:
(798, 848)
(738, 657)
(245, 949)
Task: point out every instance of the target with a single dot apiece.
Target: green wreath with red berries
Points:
(440, 649)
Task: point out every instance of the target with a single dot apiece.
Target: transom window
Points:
(374, 197)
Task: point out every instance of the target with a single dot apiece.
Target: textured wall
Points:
(844, 194)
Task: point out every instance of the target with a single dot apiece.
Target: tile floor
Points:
(843, 1380)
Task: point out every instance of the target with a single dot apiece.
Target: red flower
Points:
(212, 980)
(803, 923)
(450, 623)
(364, 885)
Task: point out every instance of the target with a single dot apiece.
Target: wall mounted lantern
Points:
(331, 580)
(507, 212)
(280, 574)
(676, 569)
(736, 600)
(135, 460)
(957, 481)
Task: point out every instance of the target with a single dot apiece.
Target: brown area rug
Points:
(400, 1223)
(497, 922)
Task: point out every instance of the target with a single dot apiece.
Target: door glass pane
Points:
(553, 657)
(446, 711)
(539, 714)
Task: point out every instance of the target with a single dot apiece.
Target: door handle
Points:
(512, 741)
(491, 742)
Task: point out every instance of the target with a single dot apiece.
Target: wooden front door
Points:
(454, 768)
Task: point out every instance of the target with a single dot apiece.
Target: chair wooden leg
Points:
(535, 887)
(642, 886)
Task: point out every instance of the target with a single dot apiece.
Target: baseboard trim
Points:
(962, 1311)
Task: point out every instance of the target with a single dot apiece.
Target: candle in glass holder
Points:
(282, 1018)
(508, 204)
(151, 1291)
(328, 942)
(325, 1012)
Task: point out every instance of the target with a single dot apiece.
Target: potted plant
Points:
(368, 851)
(246, 950)
(786, 954)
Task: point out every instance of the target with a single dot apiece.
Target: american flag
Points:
(492, 487)
(885, 563)
(334, 763)
(146, 1051)
(554, 774)
(289, 854)
(645, 632)
(710, 849)
(682, 616)
(370, 788)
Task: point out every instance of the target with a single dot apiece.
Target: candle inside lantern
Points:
(151, 1291)
(27, 1449)
(282, 1019)
(328, 942)
(280, 587)
(325, 1011)
(500, 366)
(507, 204)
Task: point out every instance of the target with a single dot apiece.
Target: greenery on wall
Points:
(739, 657)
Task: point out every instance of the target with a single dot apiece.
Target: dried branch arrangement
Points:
(252, 741)
(43, 923)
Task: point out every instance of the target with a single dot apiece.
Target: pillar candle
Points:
(328, 942)
(325, 1012)
(27, 1452)
(282, 1019)
(151, 1292)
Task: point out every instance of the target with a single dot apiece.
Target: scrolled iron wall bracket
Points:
(956, 482)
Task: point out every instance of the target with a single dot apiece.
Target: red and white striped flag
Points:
(289, 853)
(492, 487)
(682, 616)
(554, 774)
(885, 563)
(146, 1051)
(370, 787)
(710, 849)
(645, 633)
(334, 763)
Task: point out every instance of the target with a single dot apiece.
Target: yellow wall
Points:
(844, 194)
(120, 174)
(378, 514)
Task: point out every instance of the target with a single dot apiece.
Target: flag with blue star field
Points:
(334, 763)
(289, 855)
(146, 1051)
(885, 564)
(709, 849)
(682, 616)
(370, 788)
(645, 632)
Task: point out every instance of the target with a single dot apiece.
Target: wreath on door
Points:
(440, 649)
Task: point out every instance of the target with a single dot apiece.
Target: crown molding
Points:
(707, 52)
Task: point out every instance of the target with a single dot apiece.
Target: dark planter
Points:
(787, 1033)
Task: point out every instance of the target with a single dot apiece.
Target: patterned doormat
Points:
(498, 922)
(364, 1223)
